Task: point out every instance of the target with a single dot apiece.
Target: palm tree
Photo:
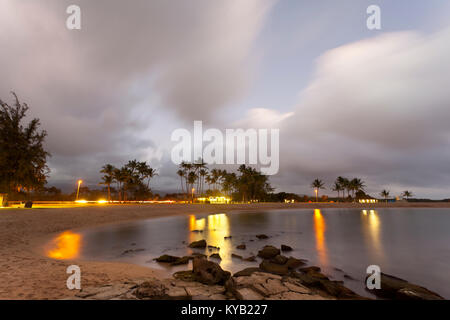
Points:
(202, 174)
(108, 178)
(345, 184)
(337, 187)
(317, 184)
(356, 185)
(407, 194)
(182, 174)
(385, 194)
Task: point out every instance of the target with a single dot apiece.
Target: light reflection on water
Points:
(319, 230)
(408, 243)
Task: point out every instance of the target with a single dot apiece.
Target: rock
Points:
(268, 252)
(308, 269)
(215, 256)
(246, 272)
(293, 263)
(271, 267)
(228, 238)
(279, 259)
(241, 247)
(262, 236)
(156, 290)
(396, 288)
(285, 248)
(197, 231)
(250, 259)
(297, 288)
(315, 279)
(208, 272)
(182, 260)
(247, 294)
(198, 244)
(185, 276)
(165, 258)
(213, 248)
(236, 256)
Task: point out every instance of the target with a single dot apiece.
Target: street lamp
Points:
(193, 190)
(78, 190)
(316, 191)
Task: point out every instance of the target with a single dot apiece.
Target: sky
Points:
(348, 100)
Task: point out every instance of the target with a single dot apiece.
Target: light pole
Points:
(193, 190)
(316, 191)
(78, 190)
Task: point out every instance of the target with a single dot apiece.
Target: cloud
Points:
(377, 108)
(179, 59)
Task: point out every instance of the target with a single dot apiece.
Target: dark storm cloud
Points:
(188, 57)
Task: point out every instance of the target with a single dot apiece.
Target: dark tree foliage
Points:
(23, 159)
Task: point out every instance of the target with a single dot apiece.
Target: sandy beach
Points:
(26, 272)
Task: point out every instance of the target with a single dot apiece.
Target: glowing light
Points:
(102, 201)
(81, 201)
(66, 246)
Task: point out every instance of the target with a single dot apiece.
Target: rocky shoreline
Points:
(277, 277)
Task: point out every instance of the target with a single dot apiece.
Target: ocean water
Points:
(413, 244)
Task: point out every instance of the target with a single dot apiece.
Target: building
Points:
(215, 200)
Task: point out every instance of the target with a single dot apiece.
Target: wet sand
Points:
(26, 273)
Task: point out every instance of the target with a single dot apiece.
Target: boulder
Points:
(293, 263)
(246, 272)
(275, 268)
(215, 256)
(185, 276)
(165, 258)
(268, 252)
(279, 259)
(198, 244)
(308, 269)
(285, 248)
(182, 260)
(241, 246)
(396, 288)
(262, 236)
(156, 290)
(208, 272)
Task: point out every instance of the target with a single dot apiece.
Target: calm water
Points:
(413, 244)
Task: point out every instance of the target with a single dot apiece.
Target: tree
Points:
(108, 178)
(345, 184)
(317, 184)
(385, 194)
(338, 187)
(23, 159)
(356, 185)
(407, 194)
(181, 174)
